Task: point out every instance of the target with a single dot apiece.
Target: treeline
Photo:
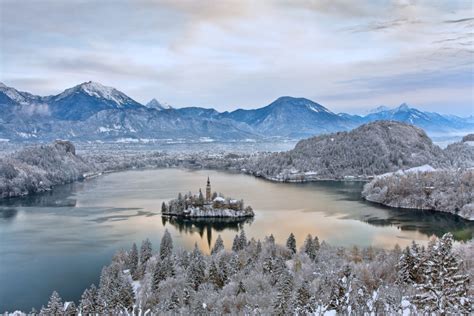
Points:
(449, 191)
(264, 278)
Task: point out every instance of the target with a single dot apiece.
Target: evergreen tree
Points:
(166, 246)
(164, 209)
(133, 261)
(159, 274)
(88, 304)
(145, 251)
(409, 270)
(291, 243)
(126, 295)
(214, 275)
(303, 300)
(242, 240)
(197, 269)
(316, 244)
(443, 289)
(55, 306)
(218, 246)
(236, 244)
(341, 291)
(285, 289)
(309, 247)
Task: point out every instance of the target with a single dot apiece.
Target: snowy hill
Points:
(371, 149)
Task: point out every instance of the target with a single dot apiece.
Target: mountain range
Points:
(93, 112)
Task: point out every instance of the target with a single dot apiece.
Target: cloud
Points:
(242, 53)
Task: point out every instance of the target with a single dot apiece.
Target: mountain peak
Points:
(155, 104)
(403, 107)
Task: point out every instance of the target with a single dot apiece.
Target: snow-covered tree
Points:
(133, 261)
(166, 246)
(55, 306)
(89, 301)
(218, 245)
(443, 288)
(291, 243)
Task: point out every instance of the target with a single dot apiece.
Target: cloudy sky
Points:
(347, 55)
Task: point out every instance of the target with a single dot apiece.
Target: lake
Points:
(61, 239)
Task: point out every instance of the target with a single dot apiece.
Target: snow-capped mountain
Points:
(91, 111)
(291, 117)
(155, 104)
(86, 99)
(429, 121)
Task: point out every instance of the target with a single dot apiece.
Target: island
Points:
(212, 205)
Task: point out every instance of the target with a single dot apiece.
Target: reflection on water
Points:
(207, 225)
(61, 239)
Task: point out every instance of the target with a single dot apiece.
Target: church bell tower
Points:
(208, 190)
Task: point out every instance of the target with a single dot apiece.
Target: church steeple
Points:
(208, 190)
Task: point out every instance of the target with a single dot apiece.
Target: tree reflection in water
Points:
(206, 224)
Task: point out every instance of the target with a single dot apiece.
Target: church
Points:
(212, 205)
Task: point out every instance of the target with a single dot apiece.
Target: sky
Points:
(350, 56)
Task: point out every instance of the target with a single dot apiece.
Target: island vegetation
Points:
(257, 277)
(212, 205)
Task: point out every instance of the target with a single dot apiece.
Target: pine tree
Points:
(309, 248)
(145, 251)
(164, 209)
(133, 261)
(89, 304)
(126, 295)
(159, 274)
(197, 269)
(236, 244)
(285, 289)
(218, 246)
(341, 291)
(303, 300)
(166, 246)
(409, 266)
(443, 290)
(316, 244)
(55, 306)
(214, 275)
(291, 243)
(242, 240)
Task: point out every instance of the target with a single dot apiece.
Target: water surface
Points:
(61, 239)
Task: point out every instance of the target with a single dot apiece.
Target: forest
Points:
(257, 277)
(443, 190)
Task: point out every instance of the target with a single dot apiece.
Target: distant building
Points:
(208, 190)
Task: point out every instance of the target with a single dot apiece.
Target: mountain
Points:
(371, 149)
(87, 99)
(155, 104)
(432, 122)
(92, 111)
(291, 117)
